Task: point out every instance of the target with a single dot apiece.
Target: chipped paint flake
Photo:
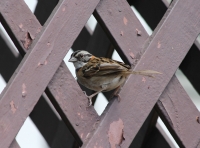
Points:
(81, 135)
(197, 119)
(20, 25)
(139, 33)
(159, 44)
(27, 40)
(24, 92)
(125, 21)
(143, 79)
(132, 55)
(115, 133)
(12, 107)
(121, 33)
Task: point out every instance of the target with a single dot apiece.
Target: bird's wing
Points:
(103, 66)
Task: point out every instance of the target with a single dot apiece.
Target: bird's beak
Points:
(72, 59)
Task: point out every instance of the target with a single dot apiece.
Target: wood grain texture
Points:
(29, 81)
(180, 114)
(140, 97)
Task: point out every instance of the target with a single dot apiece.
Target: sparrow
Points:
(102, 74)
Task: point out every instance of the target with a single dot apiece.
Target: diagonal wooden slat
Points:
(14, 144)
(179, 114)
(163, 108)
(63, 99)
(71, 103)
(28, 83)
(141, 96)
(25, 30)
(123, 29)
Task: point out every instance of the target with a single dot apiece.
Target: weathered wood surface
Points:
(23, 27)
(74, 118)
(189, 66)
(113, 18)
(180, 115)
(124, 39)
(138, 103)
(22, 93)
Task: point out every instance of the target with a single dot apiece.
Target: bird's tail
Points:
(145, 72)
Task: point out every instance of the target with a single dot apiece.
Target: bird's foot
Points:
(116, 94)
(118, 97)
(89, 99)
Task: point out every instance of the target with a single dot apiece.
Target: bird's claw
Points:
(89, 99)
(118, 97)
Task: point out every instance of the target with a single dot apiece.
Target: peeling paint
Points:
(132, 55)
(197, 119)
(125, 21)
(12, 107)
(121, 33)
(27, 40)
(44, 63)
(159, 44)
(81, 135)
(138, 32)
(143, 79)
(38, 30)
(87, 135)
(24, 92)
(115, 133)
(20, 26)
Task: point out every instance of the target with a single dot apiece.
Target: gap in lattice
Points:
(165, 133)
(188, 87)
(151, 11)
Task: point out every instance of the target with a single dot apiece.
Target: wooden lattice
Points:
(42, 69)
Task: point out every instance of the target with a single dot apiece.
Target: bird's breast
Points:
(97, 83)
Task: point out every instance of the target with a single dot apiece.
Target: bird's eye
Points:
(81, 55)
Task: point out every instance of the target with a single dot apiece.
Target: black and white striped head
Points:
(79, 58)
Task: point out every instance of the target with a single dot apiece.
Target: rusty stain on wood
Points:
(115, 133)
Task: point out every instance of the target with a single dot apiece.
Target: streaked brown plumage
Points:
(101, 74)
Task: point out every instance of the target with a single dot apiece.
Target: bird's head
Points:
(79, 58)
